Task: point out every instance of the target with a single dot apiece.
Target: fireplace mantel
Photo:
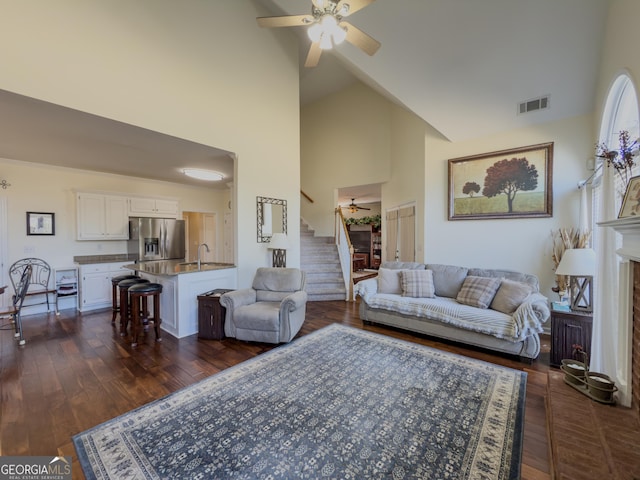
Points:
(630, 229)
(629, 255)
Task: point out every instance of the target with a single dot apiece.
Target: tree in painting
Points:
(470, 188)
(510, 177)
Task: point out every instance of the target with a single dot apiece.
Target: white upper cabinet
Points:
(102, 217)
(152, 207)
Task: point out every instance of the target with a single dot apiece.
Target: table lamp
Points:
(580, 265)
(279, 245)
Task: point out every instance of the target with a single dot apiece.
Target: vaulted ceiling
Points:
(463, 66)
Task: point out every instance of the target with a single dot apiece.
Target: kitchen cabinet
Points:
(95, 284)
(179, 297)
(152, 207)
(102, 217)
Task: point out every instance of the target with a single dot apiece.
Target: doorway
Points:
(200, 228)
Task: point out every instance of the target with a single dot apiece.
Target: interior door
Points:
(227, 256)
(209, 237)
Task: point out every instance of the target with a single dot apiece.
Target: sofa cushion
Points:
(447, 279)
(389, 281)
(402, 265)
(527, 278)
(417, 283)
(510, 296)
(478, 291)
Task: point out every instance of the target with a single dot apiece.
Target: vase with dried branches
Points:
(564, 239)
(623, 158)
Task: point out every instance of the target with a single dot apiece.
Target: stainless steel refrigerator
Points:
(156, 238)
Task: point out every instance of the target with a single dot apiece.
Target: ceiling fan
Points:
(327, 27)
(353, 208)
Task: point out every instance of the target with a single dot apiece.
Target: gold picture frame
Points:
(514, 183)
(631, 202)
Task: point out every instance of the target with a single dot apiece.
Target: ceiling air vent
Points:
(534, 104)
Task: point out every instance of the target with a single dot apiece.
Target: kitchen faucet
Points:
(200, 246)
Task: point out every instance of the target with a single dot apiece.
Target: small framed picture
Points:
(41, 223)
(631, 202)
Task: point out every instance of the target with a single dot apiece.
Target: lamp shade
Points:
(278, 242)
(578, 262)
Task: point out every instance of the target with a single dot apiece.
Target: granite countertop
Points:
(112, 258)
(176, 267)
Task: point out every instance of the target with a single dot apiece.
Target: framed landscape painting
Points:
(515, 183)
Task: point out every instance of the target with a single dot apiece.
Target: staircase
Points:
(319, 260)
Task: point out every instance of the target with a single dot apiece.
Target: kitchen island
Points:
(182, 282)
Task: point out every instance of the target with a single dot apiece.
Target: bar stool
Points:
(125, 304)
(138, 299)
(115, 302)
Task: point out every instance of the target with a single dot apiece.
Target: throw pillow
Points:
(389, 281)
(417, 283)
(447, 279)
(510, 295)
(478, 291)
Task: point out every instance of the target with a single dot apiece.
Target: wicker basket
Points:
(600, 386)
(574, 371)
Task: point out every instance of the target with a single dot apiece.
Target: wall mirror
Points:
(272, 217)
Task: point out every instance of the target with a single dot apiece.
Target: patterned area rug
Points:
(337, 403)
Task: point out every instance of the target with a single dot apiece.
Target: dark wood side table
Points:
(568, 329)
(211, 315)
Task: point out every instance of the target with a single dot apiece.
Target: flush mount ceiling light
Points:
(202, 174)
(327, 27)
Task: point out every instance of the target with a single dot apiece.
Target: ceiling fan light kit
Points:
(326, 27)
(353, 208)
(327, 32)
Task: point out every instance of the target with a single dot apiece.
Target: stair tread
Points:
(320, 261)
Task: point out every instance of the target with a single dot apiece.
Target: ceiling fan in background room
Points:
(327, 27)
(353, 208)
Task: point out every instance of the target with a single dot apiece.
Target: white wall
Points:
(195, 69)
(406, 185)
(345, 141)
(416, 170)
(40, 188)
(516, 244)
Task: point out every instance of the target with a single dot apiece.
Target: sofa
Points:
(499, 310)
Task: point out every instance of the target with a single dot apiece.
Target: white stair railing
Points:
(345, 252)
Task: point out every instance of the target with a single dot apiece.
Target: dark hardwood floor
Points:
(76, 372)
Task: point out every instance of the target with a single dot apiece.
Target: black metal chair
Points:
(22, 286)
(40, 280)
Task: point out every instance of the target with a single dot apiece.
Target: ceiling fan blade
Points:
(363, 208)
(286, 21)
(357, 37)
(347, 7)
(313, 57)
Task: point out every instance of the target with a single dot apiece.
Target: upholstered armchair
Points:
(271, 311)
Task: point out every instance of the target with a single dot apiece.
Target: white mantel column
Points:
(629, 228)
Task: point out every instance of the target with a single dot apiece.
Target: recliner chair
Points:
(271, 311)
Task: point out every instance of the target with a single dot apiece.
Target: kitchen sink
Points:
(190, 266)
(201, 263)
